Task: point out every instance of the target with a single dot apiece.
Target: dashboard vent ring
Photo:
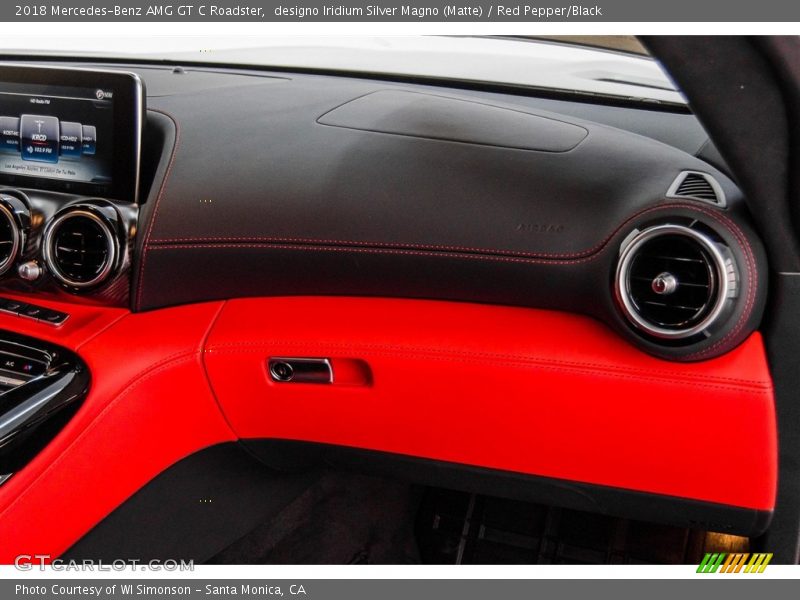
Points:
(673, 281)
(10, 238)
(80, 248)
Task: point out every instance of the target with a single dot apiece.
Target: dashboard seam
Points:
(390, 350)
(101, 331)
(206, 375)
(161, 193)
(766, 391)
(555, 117)
(486, 254)
(751, 291)
(184, 242)
(376, 251)
(398, 245)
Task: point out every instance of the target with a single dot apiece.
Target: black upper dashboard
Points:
(274, 183)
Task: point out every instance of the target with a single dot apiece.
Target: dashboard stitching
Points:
(551, 366)
(584, 253)
(161, 192)
(578, 256)
(508, 257)
(377, 251)
(247, 346)
(751, 292)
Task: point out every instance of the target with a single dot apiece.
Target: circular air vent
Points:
(674, 281)
(80, 248)
(10, 238)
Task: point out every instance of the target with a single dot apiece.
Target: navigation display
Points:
(57, 132)
(70, 130)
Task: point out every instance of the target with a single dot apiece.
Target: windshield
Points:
(581, 64)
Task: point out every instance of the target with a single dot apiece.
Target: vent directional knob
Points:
(665, 284)
(672, 280)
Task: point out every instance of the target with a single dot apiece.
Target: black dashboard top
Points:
(261, 183)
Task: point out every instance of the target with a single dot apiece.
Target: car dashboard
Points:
(544, 295)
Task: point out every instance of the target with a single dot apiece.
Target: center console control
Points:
(39, 385)
(32, 311)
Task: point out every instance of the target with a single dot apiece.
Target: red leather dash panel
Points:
(530, 391)
(148, 407)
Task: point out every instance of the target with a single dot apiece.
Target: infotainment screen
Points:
(71, 130)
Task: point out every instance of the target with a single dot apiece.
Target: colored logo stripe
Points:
(733, 563)
(711, 562)
(758, 563)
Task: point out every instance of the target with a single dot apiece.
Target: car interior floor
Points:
(347, 518)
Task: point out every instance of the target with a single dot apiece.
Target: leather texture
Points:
(537, 392)
(580, 285)
(311, 194)
(521, 390)
(306, 208)
(340, 186)
(149, 406)
(283, 177)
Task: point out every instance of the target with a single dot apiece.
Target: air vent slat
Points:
(698, 186)
(675, 258)
(691, 309)
(81, 251)
(688, 263)
(649, 280)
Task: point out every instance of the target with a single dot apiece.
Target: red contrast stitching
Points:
(389, 349)
(161, 192)
(548, 366)
(377, 251)
(405, 248)
(380, 245)
(752, 271)
(437, 250)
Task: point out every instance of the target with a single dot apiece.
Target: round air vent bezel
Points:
(17, 240)
(725, 272)
(112, 245)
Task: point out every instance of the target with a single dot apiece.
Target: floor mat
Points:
(344, 518)
(460, 528)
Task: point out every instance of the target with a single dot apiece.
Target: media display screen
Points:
(71, 130)
(57, 132)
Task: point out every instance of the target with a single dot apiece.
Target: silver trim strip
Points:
(139, 126)
(11, 380)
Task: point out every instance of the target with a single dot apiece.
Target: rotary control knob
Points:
(30, 271)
